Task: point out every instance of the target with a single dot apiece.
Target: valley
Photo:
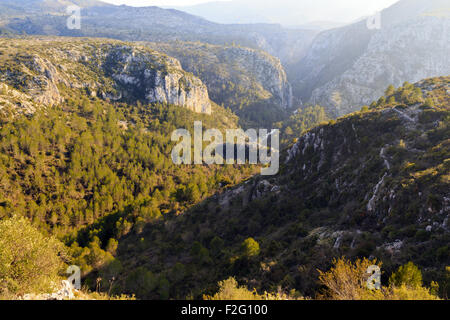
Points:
(87, 118)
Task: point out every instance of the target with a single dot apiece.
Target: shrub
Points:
(365, 109)
(407, 275)
(141, 282)
(230, 290)
(390, 90)
(345, 280)
(29, 261)
(407, 293)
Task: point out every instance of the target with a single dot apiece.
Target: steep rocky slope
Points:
(372, 184)
(236, 77)
(348, 67)
(33, 71)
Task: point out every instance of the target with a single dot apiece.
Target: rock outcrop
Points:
(155, 78)
(65, 292)
(265, 68)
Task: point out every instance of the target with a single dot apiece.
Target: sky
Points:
(344, 11)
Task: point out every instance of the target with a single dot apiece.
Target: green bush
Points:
(29, 261)
(250, 248)
(408, 275)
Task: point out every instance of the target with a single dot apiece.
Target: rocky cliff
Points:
(110, 69)
(154, 77)
(237, 77)
(348, 67)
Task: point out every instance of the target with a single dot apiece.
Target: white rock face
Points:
(351, 66)
(168, 89)
(65, 292)
(157, 78)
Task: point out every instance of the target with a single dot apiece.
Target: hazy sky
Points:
(322, 10)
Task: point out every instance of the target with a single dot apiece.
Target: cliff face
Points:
(349, 67)
(423, 45)
(110, 69)
(155, 78)
(236, 77)
(266, 69)
(179, 90)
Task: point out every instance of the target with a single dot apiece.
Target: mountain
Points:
(341, 69)
(372, 184)
(44, 17)
(33, 70)
(250, 82)
(348, 67)
(321, 25)
(24, 8)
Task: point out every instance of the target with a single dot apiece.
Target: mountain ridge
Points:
(157, 24)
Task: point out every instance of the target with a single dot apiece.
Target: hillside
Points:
(372, 184)
(83, 141)
(348, 67)
(250, 82)
(32, 70)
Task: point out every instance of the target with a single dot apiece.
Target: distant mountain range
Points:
(48, 17)
(342, 69)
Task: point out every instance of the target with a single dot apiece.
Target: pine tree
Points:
(389, 91)
(408, 274)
